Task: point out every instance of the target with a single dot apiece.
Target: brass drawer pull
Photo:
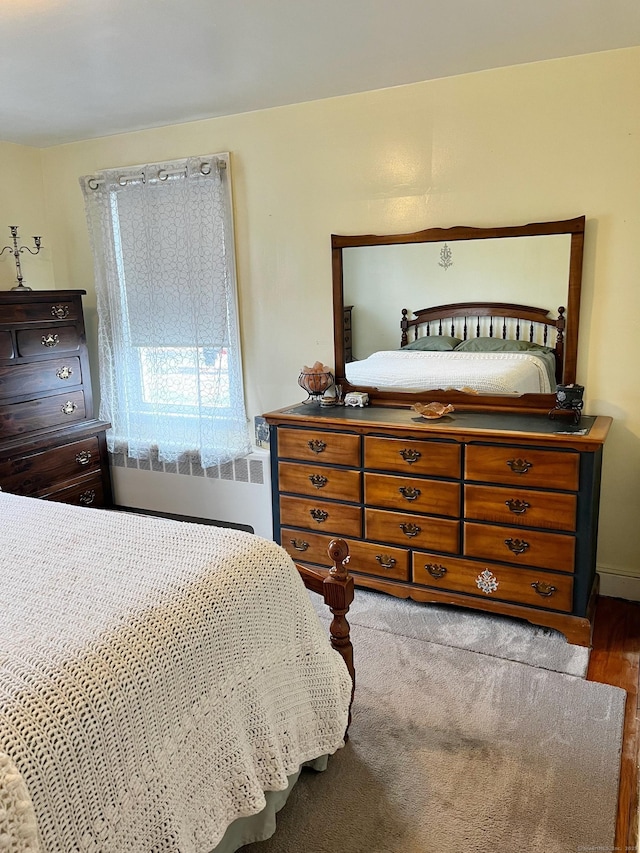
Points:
(60, 312)
(318, 480)
(436, 570)
(410, 529)
(50, 340)
(410, 456)
(319, 515)
(385, 561)
(68, 408)
(546, 590)
(84, 457)
(87, 497)
(299, 544)
(409, 493)
(316, 445)
(517, 507)
(519, 466)
(64, 372)
(517, 546)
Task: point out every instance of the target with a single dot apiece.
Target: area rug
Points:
(488, 634)
(453, 751)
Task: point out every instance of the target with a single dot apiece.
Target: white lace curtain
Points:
(169, 353)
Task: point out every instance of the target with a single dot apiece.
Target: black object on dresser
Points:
(494, 511)
(50, 444)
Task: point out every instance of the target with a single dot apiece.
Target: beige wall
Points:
(543, 141)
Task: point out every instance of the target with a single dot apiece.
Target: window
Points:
(170, 366)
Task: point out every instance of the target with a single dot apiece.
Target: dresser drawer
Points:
(335, 448)
(338, 483)
(336, 518)
(416, 531)
(38, 473)
(43, 341)
(414, 456)
(34, 377)
(486, 580)
(522, 547)
(87, 492)
(32, 311)
(6, 345)
(19, 418)
(551, 469)
(435, 497)
(507, 505)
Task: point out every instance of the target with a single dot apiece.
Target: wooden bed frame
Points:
(462, 320)
(336, 587)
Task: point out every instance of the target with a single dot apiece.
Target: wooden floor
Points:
(615, 659)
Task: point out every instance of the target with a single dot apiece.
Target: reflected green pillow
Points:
(434, 343)
(499, 345)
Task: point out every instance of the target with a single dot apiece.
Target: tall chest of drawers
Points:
(497, 512)
(51, 446)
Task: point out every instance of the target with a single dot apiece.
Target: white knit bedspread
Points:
(155, 678)
(486, 373)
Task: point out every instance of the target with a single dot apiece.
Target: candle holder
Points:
(15, 251)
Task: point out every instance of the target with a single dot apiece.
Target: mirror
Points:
(488, 270)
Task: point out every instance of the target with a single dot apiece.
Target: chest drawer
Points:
(523, 547)
(506, 505)
(32, 311)
(521, 586)
(416, 531)
(435, 497)
(334, 448)
(18, 418)
(336, 483)
(47, 341)
(6, 344)
(551, 469)
(88, 492)
(416, 456)
(37, 473)
(341, 519)
(32, 378)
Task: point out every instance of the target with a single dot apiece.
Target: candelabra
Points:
(15, 251)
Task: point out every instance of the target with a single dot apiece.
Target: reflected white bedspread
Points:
(155, 678)
(486, 373)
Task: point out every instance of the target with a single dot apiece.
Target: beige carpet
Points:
(453, 751)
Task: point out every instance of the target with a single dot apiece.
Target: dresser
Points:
(51, 446)
(493, 511)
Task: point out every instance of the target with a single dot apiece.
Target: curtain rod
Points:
(205, 169)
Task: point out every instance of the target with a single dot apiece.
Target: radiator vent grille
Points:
(246, 469)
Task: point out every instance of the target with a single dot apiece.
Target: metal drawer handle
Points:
(519, 466)
(68, 408)
(385, 561)
(316, 445)
(410, 529)
(60, 312)
(84, 457)
(299, 544)
(318, 480)
(409, 493)
(517, 546)
(410, 456)
(546, 590)
(50, 340)
(436, 570)
(87, 497)
(319, 515)
(64, 372)
(517, 507)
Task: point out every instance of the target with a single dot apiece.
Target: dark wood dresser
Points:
(50, 444)
(494, 511)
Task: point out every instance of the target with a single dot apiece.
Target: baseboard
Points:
(619, 586)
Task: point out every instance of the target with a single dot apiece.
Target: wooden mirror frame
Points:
(485, 402)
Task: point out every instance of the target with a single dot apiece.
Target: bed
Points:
(157, 678)
(478, 348)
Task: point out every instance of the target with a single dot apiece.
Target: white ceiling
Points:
(77, 69)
